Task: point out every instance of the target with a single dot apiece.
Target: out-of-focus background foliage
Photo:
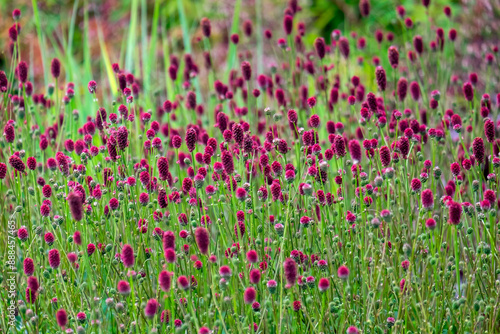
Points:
(109, 22)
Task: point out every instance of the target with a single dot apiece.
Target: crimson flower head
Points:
(290, 271)
(55, 68)
(249, 295)
(123, 288)
(454, 213)
(92, 86)
(62, 318)
(468, 91)
(320, 46)
(343, 272)
(54, 258)
(127, 256)
(202, 239)
(151, 308)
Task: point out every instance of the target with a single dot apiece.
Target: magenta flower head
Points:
(454, 213)
(246, 70)
(381, 78)
(22, 71)
(402, 88)
(339, 145)
(127, 256)
(416, 185)
(151, 308)
(92, 86)
(288, 24)
(468, 91)
(352, 330)
(227, 162)
(55, 68)
(28, 266)
(320, 46)
(3, 170)
(17, 163)
(323, 284)
(9, 133)
(290, 271)
(249, 295)
(393, 55)
(62, 318)
(16, 14)
(202, 239)
(183, 282)
(343, 272)
(75, 205)
(489, 130)
(385, 156)
(355, 150)
(225, 272)
(252, 256)
(168, 240)
(364, 7)
(344, 47)
(478, 149)
(123, 288)
(165, 280)
(54, 258)
(206, 27)
(427, 198)
(430, 224)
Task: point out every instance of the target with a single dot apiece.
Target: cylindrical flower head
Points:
(168, 240)
(227, 162)
(151, 308)
(344, 47)
(364, 7)
(290, 271)
(206, 27)
(191, 139)
(478, 149)
(202, 239)
(355, 150)
(468, 91)
(75, 205)
(489, 130)
(28, 266)
(165, 280)
(22, 71)
(127, 256)
(418, 44)
(339, 145)
(288, 24)
(249, 295)
(393, 55)
(9, 133)
(402, 88)
(62, 318)
(415, 90)
(55, 68)
(54, 258)
(427, 198)
(454, 213)
(246, 70)
(17, 163)
(319, 45)
(385, 156)
(163, 168)
(381, 78)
